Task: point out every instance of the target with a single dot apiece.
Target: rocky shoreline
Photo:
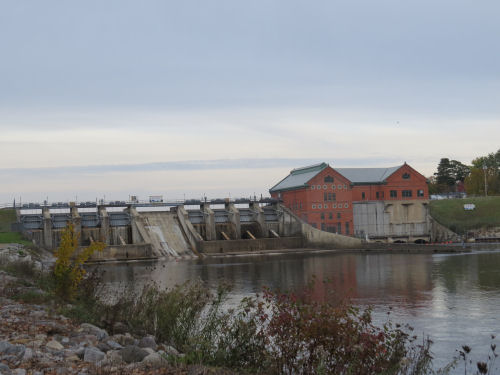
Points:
(36, 340)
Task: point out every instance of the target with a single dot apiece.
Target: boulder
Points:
(133, 353)
(28, 355)
(124, 340)
(113, 357)
(154, 360)
(4, 369)
(102, 346)
(5, 346)
(93, 330)
(80, 352)
(54, 345)
(148, 342)
(12, 351)
(93, 355)
(114, 345)
(171, 350)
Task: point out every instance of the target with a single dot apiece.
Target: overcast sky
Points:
(225, 97)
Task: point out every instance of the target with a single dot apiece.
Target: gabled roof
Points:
(367, 175)
(298, 177)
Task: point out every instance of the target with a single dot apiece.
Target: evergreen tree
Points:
(444, 174)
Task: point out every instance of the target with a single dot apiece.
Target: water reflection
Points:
(453, 298)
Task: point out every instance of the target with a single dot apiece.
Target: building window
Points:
(363, 197)
(322, 216)
(330, 215)
(314, 206)
(318, 187)
(339, 228)
(333, 187)
(329, 197)
(339, 187)
(406, 193)
(328, 179)
(312, 187)
(420, 193)
(345, 187)
(406, 176)
(338, 215)
(301, 205)
(346, 205)
(394, 193)
(323, 226)
(334, 205)
(319, 206)
(377, 195)
(325, 206)
(314, 225)
(347, 228)
(325, 187)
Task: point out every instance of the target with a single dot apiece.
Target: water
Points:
(455, 299)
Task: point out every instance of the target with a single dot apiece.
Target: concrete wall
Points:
(313, 237)
(192, 236)
(124, 252)
(316, 238)
(391, 220)
(440, 233)
(243, 246)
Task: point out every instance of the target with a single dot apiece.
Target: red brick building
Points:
(323, 196)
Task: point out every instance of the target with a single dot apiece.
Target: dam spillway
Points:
(135, 232)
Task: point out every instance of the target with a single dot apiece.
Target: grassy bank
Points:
(8, 217)
(451, 213)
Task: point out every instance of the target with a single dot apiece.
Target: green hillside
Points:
(7, 217)
(451, 213)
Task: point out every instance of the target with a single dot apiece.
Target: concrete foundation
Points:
(245, 246)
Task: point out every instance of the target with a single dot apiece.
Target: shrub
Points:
(309, 337)
(68, 269)
(275, 333)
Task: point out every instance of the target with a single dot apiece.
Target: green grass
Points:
(7, 217)
(14, 237)
(451, 213)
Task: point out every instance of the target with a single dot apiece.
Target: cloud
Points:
(183, 165)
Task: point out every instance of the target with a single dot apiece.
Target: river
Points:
(453, 298)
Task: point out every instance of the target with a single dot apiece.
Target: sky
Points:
(223, 98)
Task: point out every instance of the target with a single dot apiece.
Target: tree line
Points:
(480, 178)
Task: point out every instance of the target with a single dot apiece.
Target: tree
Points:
(458, 170)
(449, 172)
(433, 185)
(474, 183)
(444, 177)
(68, 269)
(489, 165)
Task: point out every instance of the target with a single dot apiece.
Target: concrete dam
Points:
(159, 231)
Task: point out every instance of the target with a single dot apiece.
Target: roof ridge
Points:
(308, 168)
